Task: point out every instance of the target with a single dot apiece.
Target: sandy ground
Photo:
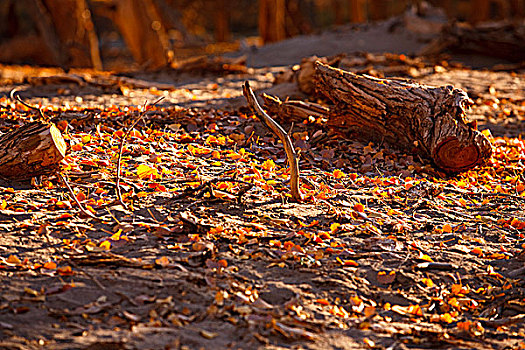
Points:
(280, 275)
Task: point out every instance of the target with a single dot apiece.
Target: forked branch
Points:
(282, 135)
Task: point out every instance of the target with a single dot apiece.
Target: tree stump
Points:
(32, 150)
(420, 119)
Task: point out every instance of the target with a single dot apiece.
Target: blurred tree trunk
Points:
(75, 31)
(337, 8)
(357, 11)
(517, 8)
(141, 26)
(222, 20)
(479, 11)
(378, 9)
(272, 20)
(42, 48)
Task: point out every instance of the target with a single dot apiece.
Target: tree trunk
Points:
(31, 150)
(420, 119)
(479, 11)
(44, 24)
(76, 32)
(142, 28)
(357, 12)
(272, 20)
(378, 9)
(222, 21)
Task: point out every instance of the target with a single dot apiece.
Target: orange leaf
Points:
(13, 260)
(369, 311)
(369, 343)
(477, 251)
(65, 271)
(350, 263)
(338, 174)
(415, 310)
(322, 302)
(81, 196)
(359, 207)
(76, 147)
(163, 261)
(50, 265)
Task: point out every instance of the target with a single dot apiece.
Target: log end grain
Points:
(32, 150)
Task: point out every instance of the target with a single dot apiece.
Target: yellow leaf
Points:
(334, 227)
(425, 257)
(268, 165)
(116, 235)
(31, 291)
(428, 282)
(106, 245)
(144, 170)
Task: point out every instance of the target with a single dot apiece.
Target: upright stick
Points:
(282, 135)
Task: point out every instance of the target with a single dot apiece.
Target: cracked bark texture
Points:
(31, 150)
(425, 120)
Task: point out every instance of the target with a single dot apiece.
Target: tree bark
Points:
(46, 29)
(222, 21)
(32, 150)
(357, 13)
(479, 11)
(142, 28)
(420, 119)
(75, 31)
(272, 20)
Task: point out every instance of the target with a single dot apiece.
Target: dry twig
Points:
(283, 136)
(72, 193)
(15, 97)
(121, 148)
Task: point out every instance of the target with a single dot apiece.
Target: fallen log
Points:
(418, 119)
(32, 150)
(497, 39)
(421, 119)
